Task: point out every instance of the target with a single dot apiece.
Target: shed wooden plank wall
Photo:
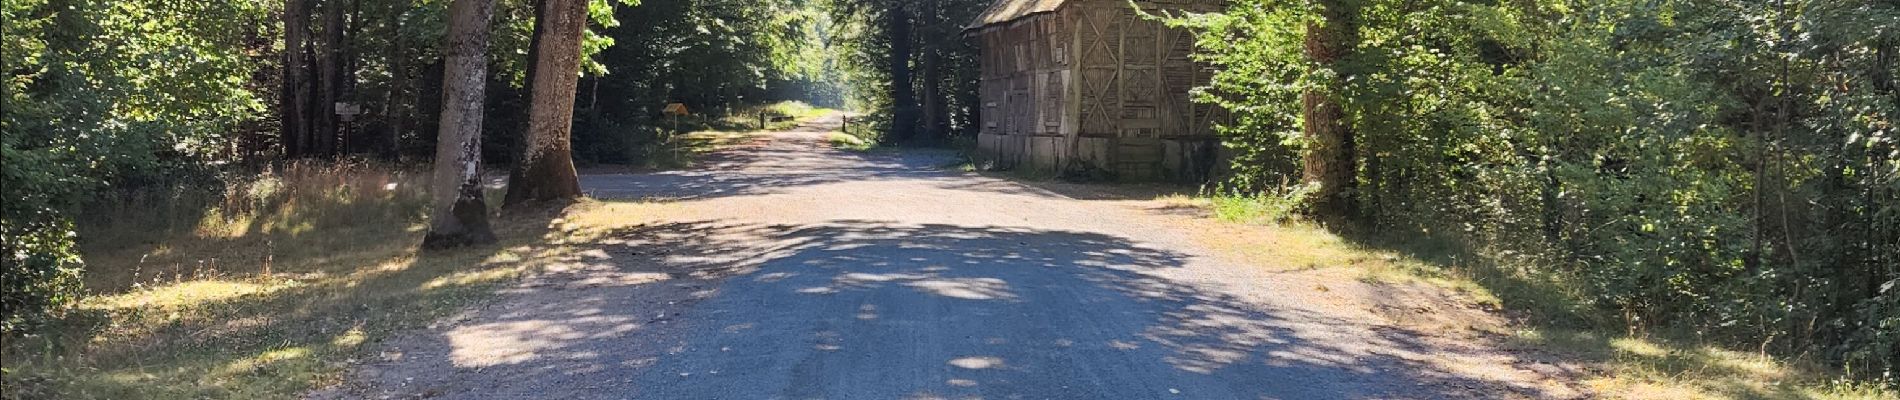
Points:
(1097, 86)
(1025, 85)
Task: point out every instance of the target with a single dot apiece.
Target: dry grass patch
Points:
(268, 289)
(1651, 368)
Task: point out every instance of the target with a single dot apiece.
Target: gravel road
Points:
(785, 269)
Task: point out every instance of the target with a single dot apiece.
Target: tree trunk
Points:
(1330, 160)
(936, 110)
(521, 116)
(460, 216)
(545, 170)
(296, 102)
(329, 77)
(351, 62)
(398, 116)
(903, 96)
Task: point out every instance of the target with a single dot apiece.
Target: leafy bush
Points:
(1724, 170)
(41, 271)
(1271, 206)
(100, 94)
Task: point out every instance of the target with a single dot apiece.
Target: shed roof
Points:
(1005, 11)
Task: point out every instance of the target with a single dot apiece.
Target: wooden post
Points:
(761, 120)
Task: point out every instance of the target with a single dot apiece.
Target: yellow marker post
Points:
(676, 110)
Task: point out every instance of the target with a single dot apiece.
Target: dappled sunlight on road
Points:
(911, 300)
(788, 270)
(515, 342)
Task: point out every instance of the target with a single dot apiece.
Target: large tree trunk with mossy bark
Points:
(545, 170)
(460, 215)
(1330, 160)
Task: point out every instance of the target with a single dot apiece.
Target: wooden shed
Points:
(1092, 86)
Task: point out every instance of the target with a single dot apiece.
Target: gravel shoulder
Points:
(784, 269)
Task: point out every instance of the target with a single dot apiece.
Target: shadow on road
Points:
(870, 309)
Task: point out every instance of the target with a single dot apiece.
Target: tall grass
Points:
(132, 238)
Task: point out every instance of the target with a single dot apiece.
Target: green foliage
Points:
(1272, 206)
(862, 53)
(718, 57)
(846, 142)
(1256, 48)
(108, 94)
(1725, 169)
(41, 270)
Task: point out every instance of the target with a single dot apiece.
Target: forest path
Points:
(785, 269)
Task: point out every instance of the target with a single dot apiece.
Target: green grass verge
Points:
(790, 113)
(1629, 365)
(698, 135)
(845, 142)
